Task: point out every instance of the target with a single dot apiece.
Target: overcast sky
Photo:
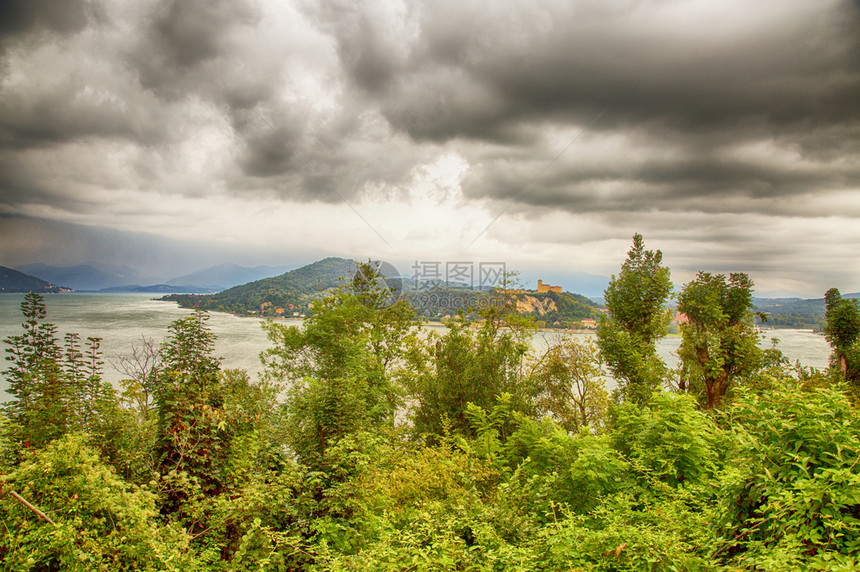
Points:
(175, 134)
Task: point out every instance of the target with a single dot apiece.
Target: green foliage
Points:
(340, 366)
(191, 427)
(790, 498)
(137, 419)
(469, 364)
(843, 334)
(571, 389)
(637, 317)
(208, 436)
(421, 506)
(100, 522)
(56, 389)
(562, 501)
(554, 469)
(522, 467)
(720, 344)
(629, 533)
(671, 439)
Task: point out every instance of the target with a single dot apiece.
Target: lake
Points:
(122, 319)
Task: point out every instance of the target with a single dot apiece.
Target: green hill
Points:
(291, 293)
(563, 309)
(297, 288)
(795, 312)
(570, 307)
(14, 281)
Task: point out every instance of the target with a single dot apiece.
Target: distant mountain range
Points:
(91, 276)
(94, 277)
(224, 276)
(13, 281)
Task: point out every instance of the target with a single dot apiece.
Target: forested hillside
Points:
(297, 288)
(368, 445)
(550, 309)
(14, 281)
(795, 312)
(295, 291)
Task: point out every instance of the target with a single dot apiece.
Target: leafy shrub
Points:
(627, 532)
(101, 523)
(670, 437)
(791, 495)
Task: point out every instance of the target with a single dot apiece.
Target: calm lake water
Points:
(122, 319)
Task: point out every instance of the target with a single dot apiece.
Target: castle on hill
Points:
(541, 289)
(544, 288)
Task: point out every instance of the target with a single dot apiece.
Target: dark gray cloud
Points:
(69, 111)
(691, 82)
(673, 117)
(25, 17)
(689, 179)
(297, 129)
(183, 44)
(644, 62)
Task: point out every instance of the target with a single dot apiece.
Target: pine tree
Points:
(55, 389)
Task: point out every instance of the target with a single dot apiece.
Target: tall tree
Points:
(843, 333)
(56, 389)
(192, 433)
(209, 423)
(40, 394)
(719, 344)
(637, 318)
(340, 366)
(470, 364)
(570, 389)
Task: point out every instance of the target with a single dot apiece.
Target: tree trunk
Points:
(716, 390)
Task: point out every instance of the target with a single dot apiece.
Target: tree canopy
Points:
(843, 333)
(720, 343)
(637, 317)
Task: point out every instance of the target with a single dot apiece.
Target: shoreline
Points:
(437, 323)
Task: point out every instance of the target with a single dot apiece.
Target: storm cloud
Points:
(540, 132)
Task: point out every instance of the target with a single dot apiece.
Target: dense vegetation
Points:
(371, 445)
(548, 309)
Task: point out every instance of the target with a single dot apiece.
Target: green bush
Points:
(100, 522)
(791, 492)
(670, 438)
